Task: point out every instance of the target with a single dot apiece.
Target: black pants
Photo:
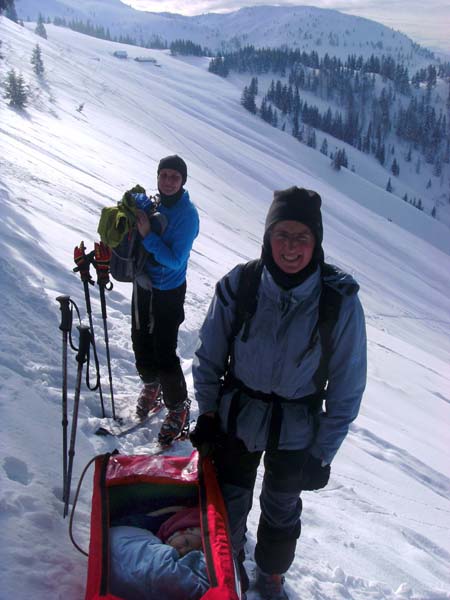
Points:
(161, 313)
(281, 506)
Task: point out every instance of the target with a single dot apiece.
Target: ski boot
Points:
(175, 425)
(148, 399)
(270, 587)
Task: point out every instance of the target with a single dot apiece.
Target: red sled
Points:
(124, 483)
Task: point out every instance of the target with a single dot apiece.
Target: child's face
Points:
(184, 542)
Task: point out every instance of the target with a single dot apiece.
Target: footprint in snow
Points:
(17, 470)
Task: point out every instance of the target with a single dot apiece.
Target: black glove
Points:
(207, 434)
(314, 476)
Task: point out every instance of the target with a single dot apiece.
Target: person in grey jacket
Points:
(257, 393)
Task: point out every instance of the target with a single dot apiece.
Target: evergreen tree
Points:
(218, 67)
(380, 154)
(275, 118)
(295, 125)
(324, 147)
(405, 197)
(429, 184)
(311, 139)
(339, 160)
(15, 90)
(4, 4)
(409, 155)
(253, 88)
(395, 169)
(10, 13)
(437, 168)
(40, 27)
(389, 185)
(36, 61)
(248, 100)
(433, 212)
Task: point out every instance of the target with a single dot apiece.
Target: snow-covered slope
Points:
(380, 529)
(305, 27)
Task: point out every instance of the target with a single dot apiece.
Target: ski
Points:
(158, 448)
(122, 426)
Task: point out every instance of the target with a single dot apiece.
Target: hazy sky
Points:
(425, 21)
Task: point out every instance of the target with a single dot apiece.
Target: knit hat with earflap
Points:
(294, 204)
(183, 519)
(176, 163)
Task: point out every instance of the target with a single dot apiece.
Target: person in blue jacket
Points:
(160, 310)
(257, 390)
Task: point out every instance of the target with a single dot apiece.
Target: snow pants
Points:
(281, 506)
(161, 313)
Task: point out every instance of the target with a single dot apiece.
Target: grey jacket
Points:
(274, 359)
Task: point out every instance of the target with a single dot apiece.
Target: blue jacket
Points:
(171, 250)
(273, 359)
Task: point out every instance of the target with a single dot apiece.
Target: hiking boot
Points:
(174, 424)
(270, 587)
(148, 399)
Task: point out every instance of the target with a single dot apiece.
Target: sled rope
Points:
(72, 512)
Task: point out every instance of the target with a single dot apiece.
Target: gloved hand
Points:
(102, 254)
(207, 434)
(158, 223)
(82, 260)
(314, 476)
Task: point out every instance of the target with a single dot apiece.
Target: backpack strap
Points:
(246, 297)
(329, 306)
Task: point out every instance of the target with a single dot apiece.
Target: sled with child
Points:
(134, 499)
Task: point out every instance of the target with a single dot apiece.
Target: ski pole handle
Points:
(66, 313)
(84, 343)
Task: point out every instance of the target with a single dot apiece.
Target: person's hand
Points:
(143, 223)
(207, 433)
(314, 475)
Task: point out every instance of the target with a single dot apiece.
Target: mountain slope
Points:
(305, 27)
(381, 528)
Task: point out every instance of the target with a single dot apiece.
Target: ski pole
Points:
(82, 357)
(101, 263)
(66, 327)
(82, 261)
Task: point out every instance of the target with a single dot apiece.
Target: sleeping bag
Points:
(127, 485)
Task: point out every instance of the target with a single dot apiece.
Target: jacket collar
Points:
(307, 290)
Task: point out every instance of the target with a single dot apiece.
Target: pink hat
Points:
(183, 519)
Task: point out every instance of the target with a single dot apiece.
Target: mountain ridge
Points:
(294, 26)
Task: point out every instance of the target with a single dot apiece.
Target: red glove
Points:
(82, 261)
(102, 254)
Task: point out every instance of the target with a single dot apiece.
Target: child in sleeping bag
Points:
(169, 565)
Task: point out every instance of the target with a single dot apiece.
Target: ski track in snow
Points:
(380, 530)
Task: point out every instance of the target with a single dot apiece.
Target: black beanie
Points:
(176, 163)
(294, 204)
(297, 204)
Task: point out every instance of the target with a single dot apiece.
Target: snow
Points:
(380, 530)
(305, 27)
